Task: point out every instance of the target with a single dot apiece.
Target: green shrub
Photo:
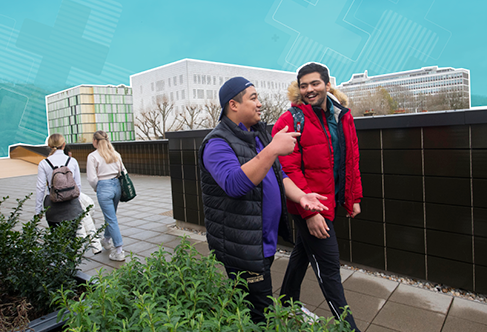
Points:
(35, 261)
(183, 293)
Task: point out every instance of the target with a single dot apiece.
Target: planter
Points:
(48, 323)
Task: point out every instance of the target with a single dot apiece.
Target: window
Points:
(221, 80)
(169, 81)
(214, 80)
(177, 95)
(199, 79)
(175, 81)
(160, 85)
(194, 93)
(208, 79)
(172, 96)
(201, 94)
(180, 79)
(194, 76)
(182, 94)
(209, 94)
(203, 81)
(152, 86)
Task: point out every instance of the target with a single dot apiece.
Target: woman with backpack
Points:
(102, 170)
(67, 205)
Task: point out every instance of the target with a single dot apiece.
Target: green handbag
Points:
(128, 189)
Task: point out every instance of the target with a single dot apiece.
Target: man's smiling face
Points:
(313, 90)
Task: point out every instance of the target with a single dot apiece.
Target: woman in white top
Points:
(57, 212)
(102, 170)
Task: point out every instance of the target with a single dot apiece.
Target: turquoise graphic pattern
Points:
(52, 45)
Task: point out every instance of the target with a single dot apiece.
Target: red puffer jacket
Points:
(318, 156)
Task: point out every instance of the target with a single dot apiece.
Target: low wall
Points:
(139, 157)
(424, 211)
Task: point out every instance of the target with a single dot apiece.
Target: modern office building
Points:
(80, 111)
(424, 81)
(196, 82)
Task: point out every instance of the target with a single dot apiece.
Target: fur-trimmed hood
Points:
(295, 96)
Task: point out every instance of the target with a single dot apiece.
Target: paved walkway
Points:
(378, 305)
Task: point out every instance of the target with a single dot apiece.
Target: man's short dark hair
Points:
(314, 67)
(67, 150)
(238, 98)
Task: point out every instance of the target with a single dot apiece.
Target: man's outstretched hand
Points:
(312, 202)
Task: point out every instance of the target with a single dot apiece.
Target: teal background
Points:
(51, 45)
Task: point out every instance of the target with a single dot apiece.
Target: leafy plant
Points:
(34, 261)
(178, 292)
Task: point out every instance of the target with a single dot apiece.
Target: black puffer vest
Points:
(234, 225)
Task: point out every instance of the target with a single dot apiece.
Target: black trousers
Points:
(260, 287)
(324, 257)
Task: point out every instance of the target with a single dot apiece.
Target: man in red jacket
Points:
(325, 161)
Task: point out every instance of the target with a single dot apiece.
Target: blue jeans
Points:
(108, 193)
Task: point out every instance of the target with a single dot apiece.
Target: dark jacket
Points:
(318, 158)
(234, 225)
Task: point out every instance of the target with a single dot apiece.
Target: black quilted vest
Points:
(234, 225)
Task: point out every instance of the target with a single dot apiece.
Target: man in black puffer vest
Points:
(244, 191)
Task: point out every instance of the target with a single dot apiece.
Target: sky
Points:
(50, 45)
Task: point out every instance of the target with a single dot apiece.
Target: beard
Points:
(319, 102)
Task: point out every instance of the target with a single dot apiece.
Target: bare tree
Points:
(145, 122)
(152, 123)
(273, 105)
(190, 117)
(165, 109)
(212, 114)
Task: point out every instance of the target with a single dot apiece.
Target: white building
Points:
(427, 80)
(80, 111)
(196, 82)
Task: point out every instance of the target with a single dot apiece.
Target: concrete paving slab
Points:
(90, 265)
(177, 241)
(345, 274)
(280, 265)
(145, 235)
(363, 306)
(370, 285)
(162, 239)
(417, 297)
(202, 248)
(405, 318)
(455, 324)
(128, 241)
(377, 328)
(469, 310)
(106, 270)
(277, 278)
(136, 222)
(148, 252)
(131, 231)
(311, 293)
(361, 324)
(139, 247)
(155, 226)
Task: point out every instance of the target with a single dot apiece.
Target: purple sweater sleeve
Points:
(222, 163)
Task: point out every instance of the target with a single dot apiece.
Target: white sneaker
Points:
(116, 256)
(108, 245)
(310, 317)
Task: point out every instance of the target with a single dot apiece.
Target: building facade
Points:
(195, 82)
(80, 111)
(424, 81)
